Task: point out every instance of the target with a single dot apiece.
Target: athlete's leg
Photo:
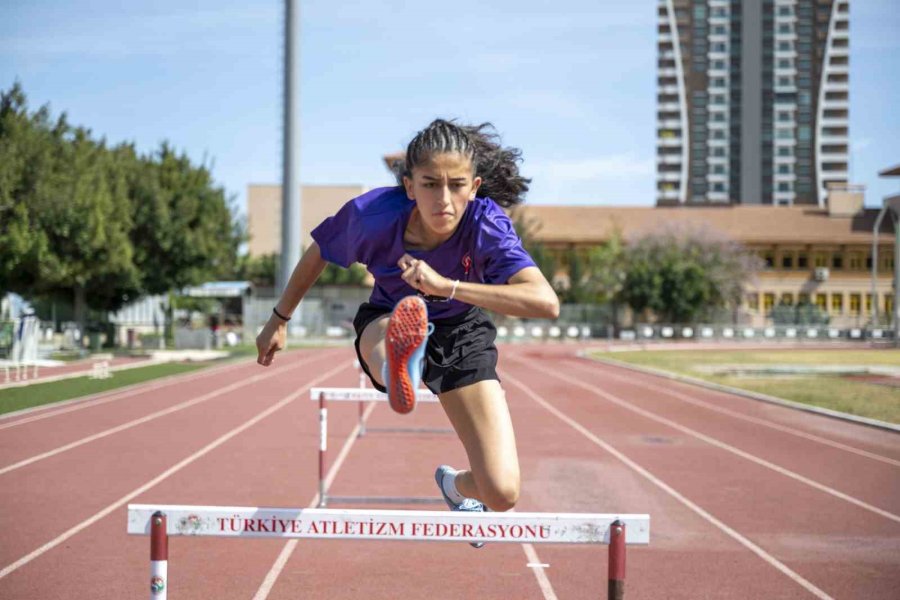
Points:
(480, 416)
(371, 346)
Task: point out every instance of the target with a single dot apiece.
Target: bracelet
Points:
(279, 315)
(453, 292)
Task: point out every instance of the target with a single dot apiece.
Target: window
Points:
(888, 303)
(822, 301)
(768, 258)
(868, 303)
(753, 301)
(784, 63)
(802, 260)
(837, 303)
(784, 116)
(787, 299)
(855, 304)
(768, 301)
(785, 81)
(784, 11)
(821, 259)
(784, 169)
(837, 260)
(803, 133)
(784, 186)
(785, 151)
(855, 262)
(784, 134)
(802, 299)
(787, 260)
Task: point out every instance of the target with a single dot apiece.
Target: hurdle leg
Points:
(159, 557)
(323, 446)
(616, 586)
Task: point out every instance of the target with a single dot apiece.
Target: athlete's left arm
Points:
(525, 294)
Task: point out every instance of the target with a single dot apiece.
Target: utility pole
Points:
(290, 180)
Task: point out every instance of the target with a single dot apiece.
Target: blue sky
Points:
(572, 83)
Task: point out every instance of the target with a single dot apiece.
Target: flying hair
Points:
(497, 166)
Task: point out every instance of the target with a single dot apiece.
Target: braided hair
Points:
(497, 166)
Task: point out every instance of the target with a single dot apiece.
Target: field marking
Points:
(736, 414)
(73, 404)
(265, 588)
(165, 474)
(728, 448)
(275, 571)
(537, 567)
(771, 560)
(147, 418)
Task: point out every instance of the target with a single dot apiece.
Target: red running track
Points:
(747, 499)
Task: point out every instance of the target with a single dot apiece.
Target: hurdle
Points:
(100, 370)
(162, 521)
(363, 395)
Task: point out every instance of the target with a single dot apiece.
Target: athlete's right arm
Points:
(273, 336)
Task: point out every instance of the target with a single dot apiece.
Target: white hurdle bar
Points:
(362, 395)
(162, 521)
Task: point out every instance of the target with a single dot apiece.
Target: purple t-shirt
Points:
(369, 229)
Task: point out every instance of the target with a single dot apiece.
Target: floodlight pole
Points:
(290, 181)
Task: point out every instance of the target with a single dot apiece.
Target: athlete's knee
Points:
(501, 495)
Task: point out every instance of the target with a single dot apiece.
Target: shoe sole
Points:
(407, 329)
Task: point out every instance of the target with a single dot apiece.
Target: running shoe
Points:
(467, 505)
(407, 334)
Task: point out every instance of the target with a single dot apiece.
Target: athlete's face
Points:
(442, 187)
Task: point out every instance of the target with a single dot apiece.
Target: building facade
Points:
(808, 255)
(752, 101)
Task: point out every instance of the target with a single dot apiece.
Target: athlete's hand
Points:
(270, 340)
(418, 274)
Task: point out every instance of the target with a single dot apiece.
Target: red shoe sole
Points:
(406, 331)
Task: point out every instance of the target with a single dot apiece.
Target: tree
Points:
(527, 230)
(103, 225)
(70, 215)
(681, 274)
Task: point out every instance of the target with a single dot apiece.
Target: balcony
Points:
(668, 194)
(668, 177)
(669, 107)
(668, 123)
(668, 142)
(668, 159)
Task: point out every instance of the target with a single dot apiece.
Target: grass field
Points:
(17, 398)
(827, 391)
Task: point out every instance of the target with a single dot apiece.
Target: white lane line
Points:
(166, 474)
(147, 418)
(666, 488)
(738, 415)
(272, 576)
(537, 567)
(729, 448)
(67, 406)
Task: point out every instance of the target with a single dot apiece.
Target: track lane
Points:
(53, 409)
(65, 488)
(771, 512)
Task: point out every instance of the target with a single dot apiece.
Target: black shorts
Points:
(459, 352)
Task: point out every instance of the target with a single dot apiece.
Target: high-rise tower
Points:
(753, 99)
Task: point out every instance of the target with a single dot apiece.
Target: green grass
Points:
(836, 393)
(17, 398)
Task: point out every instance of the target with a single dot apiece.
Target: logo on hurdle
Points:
(157, 585)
